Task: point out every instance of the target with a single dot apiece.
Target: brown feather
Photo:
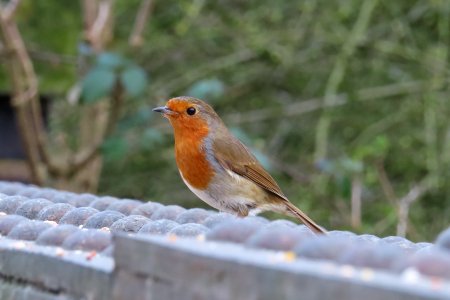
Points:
(191, 131)
(296, 212)
(236, 157)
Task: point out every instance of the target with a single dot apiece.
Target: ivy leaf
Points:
(134, 80)
(207, 89)
(97, 84)
(110, 60)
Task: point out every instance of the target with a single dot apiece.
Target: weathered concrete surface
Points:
(82, 275)
(190, 269)
(224, 257)
(10, 290)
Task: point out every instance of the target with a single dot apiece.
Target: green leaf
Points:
(97, 84)
(110, 60)
(134, 80)
(207, 89)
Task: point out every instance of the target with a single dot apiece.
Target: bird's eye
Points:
(191, 111)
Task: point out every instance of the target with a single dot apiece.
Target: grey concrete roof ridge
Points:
(231, 271)
(62, 245)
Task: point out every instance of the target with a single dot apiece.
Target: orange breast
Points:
(191, 158)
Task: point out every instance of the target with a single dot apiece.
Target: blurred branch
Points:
(25, 100)
(431, 135)
(445, 153)
(337, 75)
(311, 105)
(117, 102)
(437, 58)
(99, 123)
(85, 165)
(357, 187)
(292, 171)
(83, 158)
(404, 205)
(51, 57)
(10, 9)
(386, 222)
(97, 16)
(191, 14)
(280, 133)
(187, 77)
(27, 104)
(386, 185)
(385, 123)
(88, 153)
(142, 17)
(98, 28)
(89, 14)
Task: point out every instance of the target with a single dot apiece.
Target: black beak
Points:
(163, 109)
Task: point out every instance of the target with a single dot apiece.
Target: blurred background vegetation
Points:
(345, 102)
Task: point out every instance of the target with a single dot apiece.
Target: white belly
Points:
(232, 194)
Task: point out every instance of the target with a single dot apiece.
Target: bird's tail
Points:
(294, 211)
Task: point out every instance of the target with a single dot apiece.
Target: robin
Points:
(218, 168)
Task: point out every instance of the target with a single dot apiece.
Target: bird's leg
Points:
(242, 212)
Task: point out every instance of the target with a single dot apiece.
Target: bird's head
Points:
(187, 113)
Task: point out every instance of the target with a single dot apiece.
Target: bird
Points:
(218, 168)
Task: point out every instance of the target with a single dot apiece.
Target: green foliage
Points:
(111, 61)
(97, 84)
(151, 138)
(135, 80)
(266, 66)
(374, 149)
(114, 148)
(108, 70)
(210, 89)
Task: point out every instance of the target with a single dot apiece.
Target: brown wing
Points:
(236, 157)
